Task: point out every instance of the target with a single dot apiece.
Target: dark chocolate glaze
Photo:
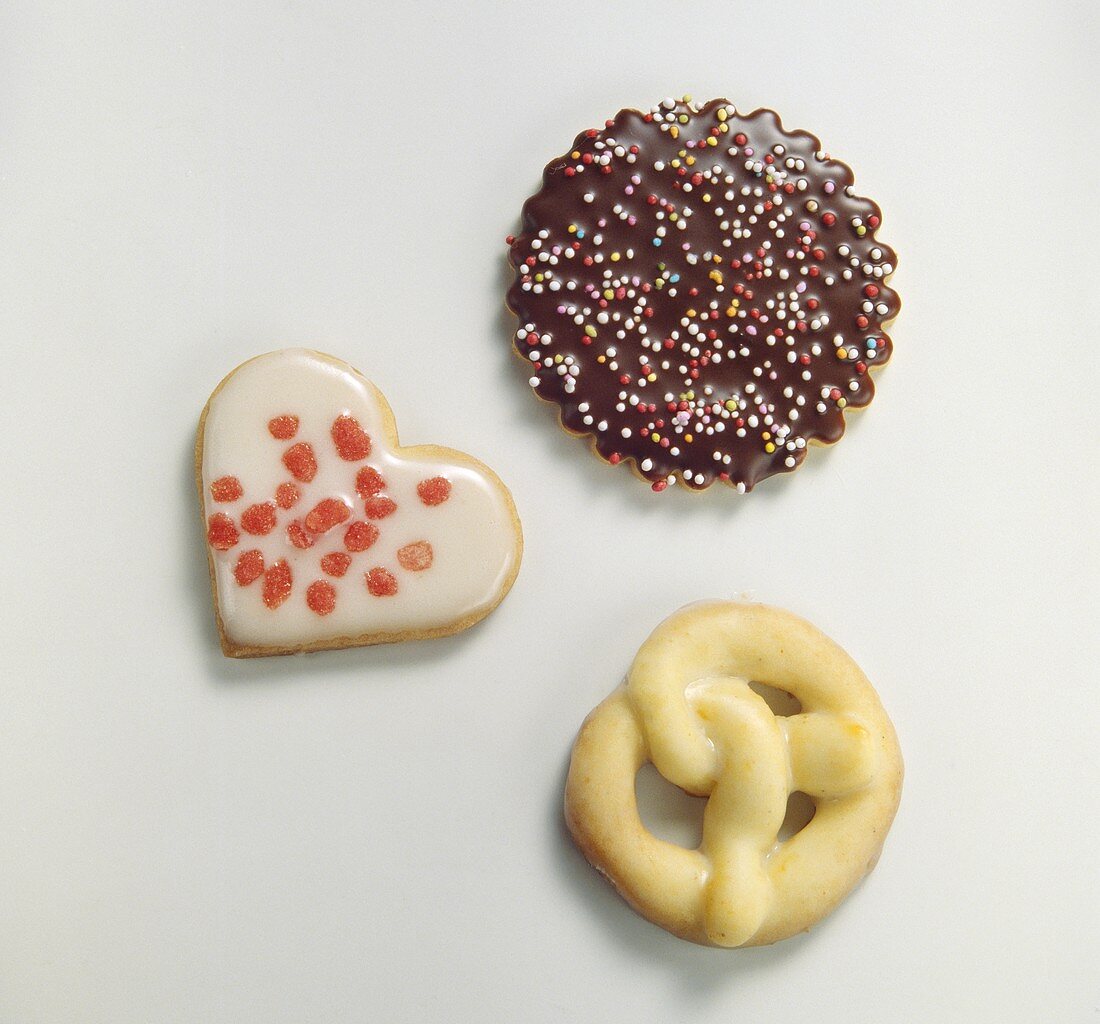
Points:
(751, 328)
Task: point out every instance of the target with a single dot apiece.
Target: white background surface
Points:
(375, 835)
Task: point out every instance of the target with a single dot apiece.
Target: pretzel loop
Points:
(687, 706)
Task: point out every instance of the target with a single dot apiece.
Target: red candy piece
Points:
(352, 442)
(287, 495)
(434, 491)
(301, 462)
(258, 519)
(336, 563)
(379, 507)
(381, 582)
(226, 488)
(368, 481)
(283, 428)
(277, 584)
(249, 567)
(221, 533)
(296, 534)
(321, 597)
(327, 514)
(416, 557)
(360, 536)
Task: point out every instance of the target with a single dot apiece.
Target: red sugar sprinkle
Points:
(434, 491)
(360, 536)
(277, 584)
(416, 557)
(368, 481)
(283, 428)
(352, 442)
(258, 519)
(287, 495)
(301, 462)
(871, 291)
(297, 535)
(321, 597)
(326, 514)
(249, 567)
(226, 488)
(381, 582)
(221, 533)
(379, 507)
(336, 563)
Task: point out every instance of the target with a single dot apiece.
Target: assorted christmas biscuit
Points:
(323, 532)
(702, 293)
(692, 705)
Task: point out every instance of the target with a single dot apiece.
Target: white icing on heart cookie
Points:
(323, 532)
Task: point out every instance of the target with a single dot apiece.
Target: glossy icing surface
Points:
(319, 529)
(701, 292)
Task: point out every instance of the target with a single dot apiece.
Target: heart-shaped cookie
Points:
(323, 532)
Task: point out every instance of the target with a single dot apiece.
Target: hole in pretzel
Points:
(667, 811)
(800, 812)
(782, 703)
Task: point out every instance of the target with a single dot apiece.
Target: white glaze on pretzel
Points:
(687, 707)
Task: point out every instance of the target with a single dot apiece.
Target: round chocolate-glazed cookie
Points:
(701, 292)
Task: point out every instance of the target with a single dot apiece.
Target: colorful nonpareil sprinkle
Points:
(702, 293)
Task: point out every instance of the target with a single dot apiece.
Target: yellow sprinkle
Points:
(674, 163)
(713, 140)
(575, 155)
(811, 205)
(687, 97)
(652, 377)
(723, 128)
(688, 438)
(691, 312)
(609, 293)
(722, 115)
(614, 257)
(601, 359)
(841, 402)
(673, 217)
(674, 132)
(861, 231)
(558, 358)
(572, 229)
(539, 277)
(683, 119)
(716, 276)
(655, 437)
(769, 447)
(766, 435)
(690, 161)
(706, 197)
(731, 405)
(842, 353)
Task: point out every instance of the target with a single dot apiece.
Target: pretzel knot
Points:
(688, 708)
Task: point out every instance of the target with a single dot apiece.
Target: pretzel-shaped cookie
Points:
(688, 708)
